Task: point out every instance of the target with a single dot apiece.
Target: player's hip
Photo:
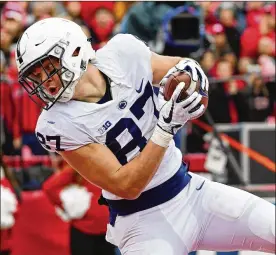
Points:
(172, 220)
(151, 198)
(189, 221)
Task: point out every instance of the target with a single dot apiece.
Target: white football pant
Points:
(209, 217)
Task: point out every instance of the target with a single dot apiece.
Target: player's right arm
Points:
(98, 164)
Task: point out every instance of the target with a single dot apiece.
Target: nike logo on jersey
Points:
(169, 118)
(200, 187)
(141, 86)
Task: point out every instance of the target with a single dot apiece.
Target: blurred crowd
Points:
(243, 44)
(238, 55)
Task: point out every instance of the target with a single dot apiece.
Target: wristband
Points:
(161, 137)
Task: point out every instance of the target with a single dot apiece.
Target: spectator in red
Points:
(208, 63)
(220, 43)
(254, 13)
(26, 114)
(21, 112)
(12, 72)
(209, 11)
(76, 200)
(7, 110)
(260, 102)
(9, 207)
(260, 39)
(88, 9)
(73, 12)
(5, 43)
(100, 19)
(227, 13)
(225, 71)
(228, 95)
(13, 19)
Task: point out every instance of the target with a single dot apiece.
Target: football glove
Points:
(174, 114)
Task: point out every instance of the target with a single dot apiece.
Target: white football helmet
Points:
(47, 38)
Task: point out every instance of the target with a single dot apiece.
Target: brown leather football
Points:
(178, 77)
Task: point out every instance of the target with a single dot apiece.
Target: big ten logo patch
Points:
(105, 127)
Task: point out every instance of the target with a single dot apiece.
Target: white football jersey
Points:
(125, 123)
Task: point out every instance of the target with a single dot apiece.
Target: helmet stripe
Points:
(18, 51)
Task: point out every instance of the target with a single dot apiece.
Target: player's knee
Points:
(261, 220)
(227, 202)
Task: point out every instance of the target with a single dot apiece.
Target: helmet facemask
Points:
(35, 86)
(56, 39)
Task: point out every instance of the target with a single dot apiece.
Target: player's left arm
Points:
(162, 66)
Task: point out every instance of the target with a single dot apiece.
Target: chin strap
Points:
(68, 92)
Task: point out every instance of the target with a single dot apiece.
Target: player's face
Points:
(44, 73)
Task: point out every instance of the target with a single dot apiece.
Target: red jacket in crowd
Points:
(96, 218)
(27, 112)
(250, 40)
(7, 108)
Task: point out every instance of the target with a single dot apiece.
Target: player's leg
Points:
(235, 220)
(172, 228)
(148, 233)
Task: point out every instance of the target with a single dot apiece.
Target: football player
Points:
(101, 115)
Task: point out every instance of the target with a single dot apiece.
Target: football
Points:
(175, 78)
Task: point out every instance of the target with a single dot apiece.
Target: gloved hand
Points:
(174, 114)
(193, 68)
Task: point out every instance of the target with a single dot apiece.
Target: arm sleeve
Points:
(130, 46)
(63, 134)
